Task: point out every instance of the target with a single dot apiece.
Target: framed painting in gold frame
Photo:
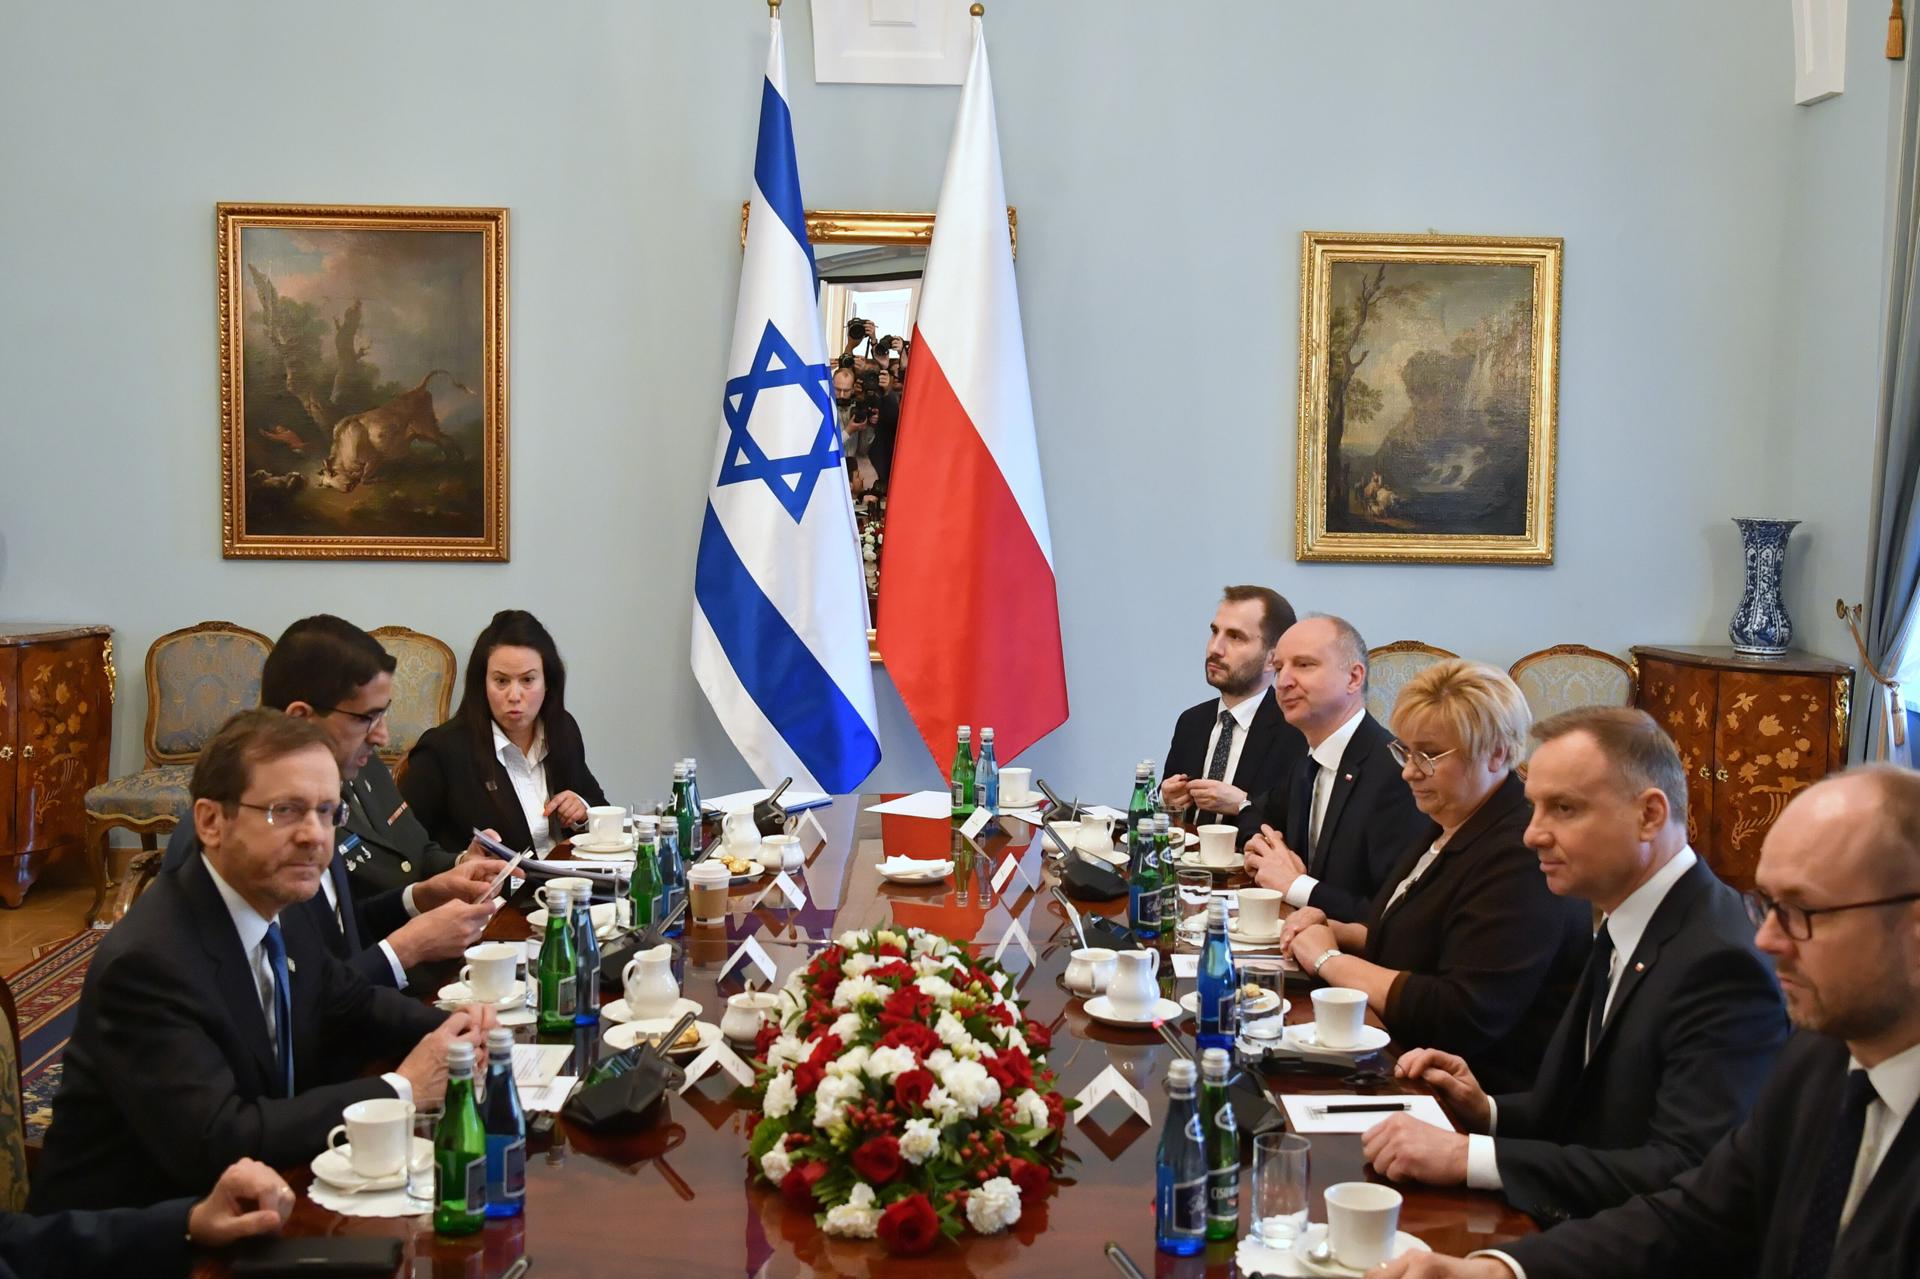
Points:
(1428, 392)
(363, 382)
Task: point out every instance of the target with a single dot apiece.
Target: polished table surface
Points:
(677, 1200)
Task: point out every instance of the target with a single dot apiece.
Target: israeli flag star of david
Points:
(780, 596)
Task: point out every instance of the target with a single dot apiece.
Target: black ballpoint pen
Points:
(1334, 1107)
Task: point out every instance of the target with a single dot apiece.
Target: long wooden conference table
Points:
(677, 1200)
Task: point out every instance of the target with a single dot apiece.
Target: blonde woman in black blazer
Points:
(512, 712)
(1465, 948)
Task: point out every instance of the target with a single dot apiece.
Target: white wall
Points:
(1161, 146)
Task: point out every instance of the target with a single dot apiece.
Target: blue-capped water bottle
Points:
(986, 774)
(1219, 993)
(1180, 1169)
(506, 1124)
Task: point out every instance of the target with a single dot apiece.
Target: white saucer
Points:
(336, 1169)
(521, 1016)
(1100, 1008)
(1240, 938)
(456, 992)
(1021, 801)
(1270, 1004)
(933, 874)
(1372, 1039)
(1309, 1239)
(537, 920)
(1191, 861)
(618, 1011)
(628, 1033)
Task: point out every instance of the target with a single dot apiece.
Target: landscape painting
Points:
(363, 382)
(1427, 395)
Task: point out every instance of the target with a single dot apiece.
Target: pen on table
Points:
(517, 1269)
(1362, 1107)
(1122, 1262)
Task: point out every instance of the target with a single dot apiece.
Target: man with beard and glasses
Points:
(1236, 745)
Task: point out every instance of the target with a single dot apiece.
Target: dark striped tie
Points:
(1217, 766)
(1820, 1229)
(282, 1005)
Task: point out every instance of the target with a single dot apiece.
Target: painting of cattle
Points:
(363, 382)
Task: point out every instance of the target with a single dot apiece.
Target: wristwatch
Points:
(1324, 956)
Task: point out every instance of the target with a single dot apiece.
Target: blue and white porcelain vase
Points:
(1760, 626)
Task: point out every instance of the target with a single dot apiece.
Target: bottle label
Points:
(1193, 1129)
(1223, 1119)
(513, 1168)
(959, 792)
(1190, 1206)
(565, 997)
(477, 1185)
(1223, 1194)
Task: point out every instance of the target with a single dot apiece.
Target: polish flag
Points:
(969, 621)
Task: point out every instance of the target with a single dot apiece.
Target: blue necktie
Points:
(282, 1005)
(1820, 1224)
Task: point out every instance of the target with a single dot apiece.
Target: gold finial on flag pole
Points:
(978, 10)
(773, 8)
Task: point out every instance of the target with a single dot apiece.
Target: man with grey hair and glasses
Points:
(1824, 1178)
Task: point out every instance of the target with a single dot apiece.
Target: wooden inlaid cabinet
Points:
(56, 725)
(1752, 732)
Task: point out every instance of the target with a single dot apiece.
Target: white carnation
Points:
(888, 1063)
(780, 1097)
(970, 1086)
(848, 940)
(1030, 1110)
(943, 1107)
(939, 1059)
(855, 990)
(850, 1063)
(830, 1100)
(954, 1035)
(787, 1050)
(887, 937)
(858, 965)
(938, 989)
(845, 1026)
(776, 1163)
(918, 1142)
(857, 1223)
(993, 1206)
(926, 943)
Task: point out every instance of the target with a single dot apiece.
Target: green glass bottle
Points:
(1165, 841)
(559, 966)
(1140, 807)
(1222, 1139)
(693, 834)
(460, 1151)
(643, 890)
(961, 773)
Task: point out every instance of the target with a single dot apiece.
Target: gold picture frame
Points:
(1442, 451)
(363, 382)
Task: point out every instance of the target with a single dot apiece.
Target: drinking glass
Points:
(1279, 1187)
(1193, 888)
(422, 1170)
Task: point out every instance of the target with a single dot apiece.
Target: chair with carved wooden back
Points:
(422, 687)
(13, 1128)
(196, 678)
(1568, 675)
(1390, 666)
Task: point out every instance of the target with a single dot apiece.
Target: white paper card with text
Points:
(976, 823)
(755, 954)
(1111, 1083)
(718, 1054)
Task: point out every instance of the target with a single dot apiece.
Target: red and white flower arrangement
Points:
(903, 1094)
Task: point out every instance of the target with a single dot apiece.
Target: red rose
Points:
(1032, 1178)
(763, 1040)
(1019, 1068)
(830, 959)
(878, 1160)
(1001, 1013)
(1056, 1110)
(909, 1003)
(797, 1186)
(915, 1035)
(898, 970)
(807, 1076)
(910, 1088)
(1039, 1038)
(909, 1226)
(894, 949)
(828, 981)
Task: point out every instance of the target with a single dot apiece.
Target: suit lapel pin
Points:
(1349, 776)
(292, 967)
(1639, 968)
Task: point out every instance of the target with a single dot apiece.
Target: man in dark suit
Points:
(214, 1024)
(1236, 745)
(1331, 836)
(392, 899)
(250, 1199)
(1823, 1179)
(1674, 1026)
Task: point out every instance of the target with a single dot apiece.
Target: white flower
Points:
(993, 1206)
(926, 943)
(970, 1086)
(849, 939)
(918, 1141)
(857, 1223)
(858, 965)
(887, 1063)
(776, 1163)
(943, 1107)
(1011, 1037)
(938, 989)
(1030, 1110)
(830, 1100)
(954, 1035)
(939, 1059)
(787, 1050)
(850, 1063)
(780, 1097)
(845, 1027)
(887, 936)
(855, 990)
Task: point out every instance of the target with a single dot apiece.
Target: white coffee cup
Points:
(777, 850)
(377, 1132)
(489, 970)
(574, 884)
(1362, 1219)
(1090, 970)
(1260, 911)
(1216, 844)
(604, 823)
(1338, 1013)
(707, 883)
(1016, 787)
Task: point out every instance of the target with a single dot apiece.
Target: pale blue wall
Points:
(1166, 152)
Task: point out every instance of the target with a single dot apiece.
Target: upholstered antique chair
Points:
(422, 687)
(1568, 675)
(1390, 666)
(196, 678)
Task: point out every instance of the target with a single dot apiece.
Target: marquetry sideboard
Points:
(1752, 732)
(56, 724)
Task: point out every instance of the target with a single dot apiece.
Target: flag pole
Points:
(773, 8)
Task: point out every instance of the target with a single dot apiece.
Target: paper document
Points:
(535, 1065)
(548, 1097)
(922, 803)
(1304, 1111)
(793, 801)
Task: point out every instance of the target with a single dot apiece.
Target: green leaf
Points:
(765, 1134)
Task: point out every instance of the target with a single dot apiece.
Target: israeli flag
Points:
(780, 598)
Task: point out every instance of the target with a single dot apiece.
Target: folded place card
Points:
(784, 884)
(1111, 1083)
(1016, 933)
(755, 954)
(1006, 872)
(976, 823)
(809, 821)
(718, 1054)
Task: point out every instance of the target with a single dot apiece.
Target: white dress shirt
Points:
(1327, 755)
(1243, 713)
(528, 773)
(251, 927)
(1625, 927)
